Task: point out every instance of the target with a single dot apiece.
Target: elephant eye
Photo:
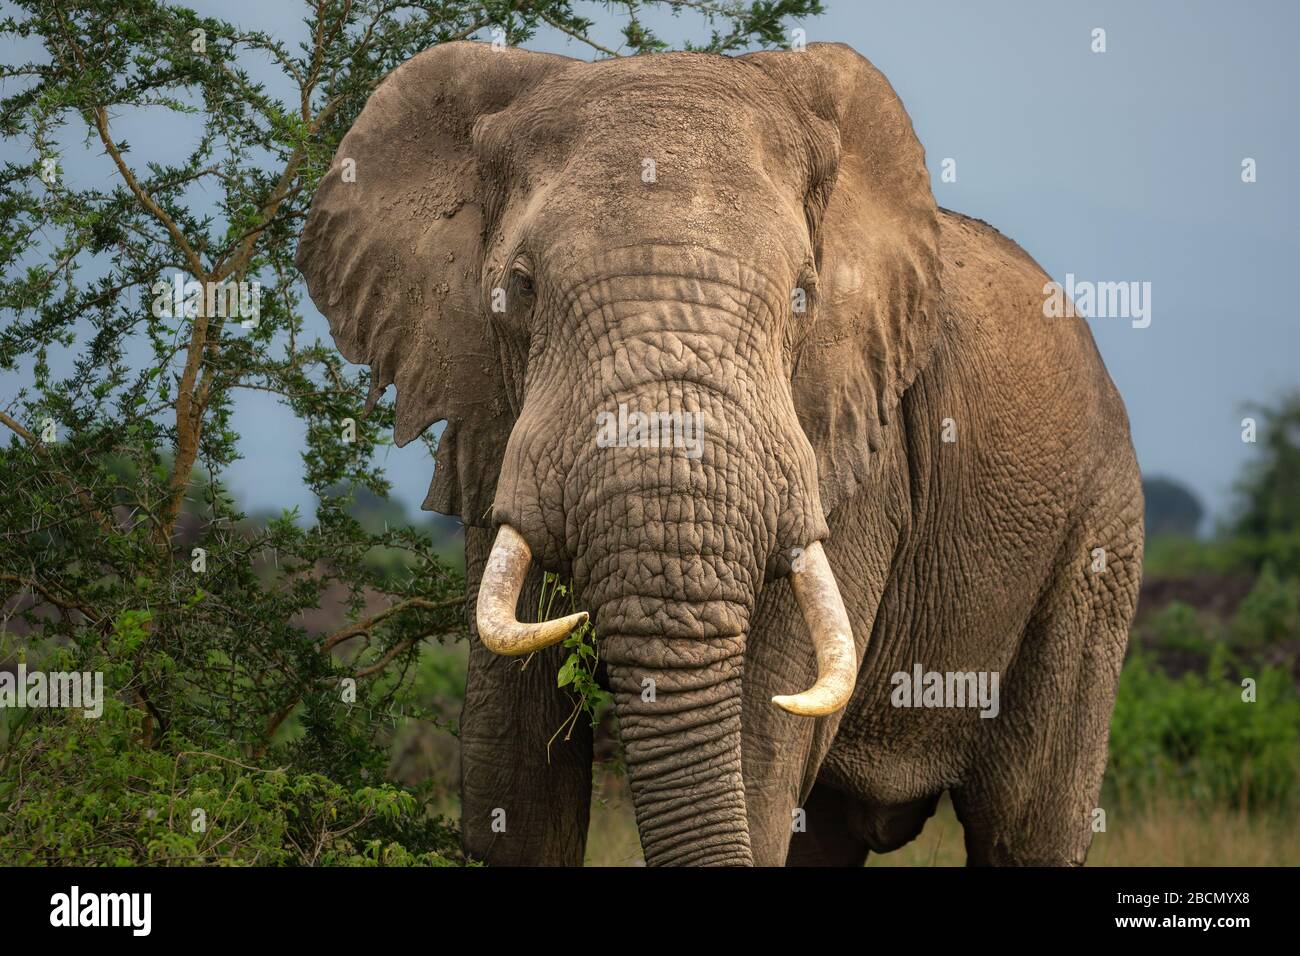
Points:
(523, 279)
(805, 291)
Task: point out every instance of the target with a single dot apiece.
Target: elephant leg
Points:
(525, 798)
(832, 833)
(522, 804)
(1036, 781)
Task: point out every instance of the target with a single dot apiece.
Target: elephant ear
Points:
(392, 254)
(877, 235)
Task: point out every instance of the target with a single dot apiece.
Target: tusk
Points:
(837, 659)
(498, 595)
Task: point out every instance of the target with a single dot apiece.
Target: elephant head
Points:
(532, 247)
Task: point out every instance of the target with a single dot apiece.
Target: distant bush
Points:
(1178, 627)
(1171, 507)
(1177, 556)
(1268, 492)
(1174, 556)
(1267, 616)
(1195, 737)
(1270, 613)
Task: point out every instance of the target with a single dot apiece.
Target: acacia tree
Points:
(119, 550)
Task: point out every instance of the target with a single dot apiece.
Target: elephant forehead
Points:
(695, 110)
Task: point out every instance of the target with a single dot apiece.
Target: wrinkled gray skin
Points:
(478, 170)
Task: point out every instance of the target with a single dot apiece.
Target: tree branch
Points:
(83, 495)
(365, 626)
(59, 601)
(578, 36)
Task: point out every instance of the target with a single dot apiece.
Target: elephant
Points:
(905, 467)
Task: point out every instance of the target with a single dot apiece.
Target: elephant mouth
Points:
(811, 578)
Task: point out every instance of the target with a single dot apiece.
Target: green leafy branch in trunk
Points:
(578, 672)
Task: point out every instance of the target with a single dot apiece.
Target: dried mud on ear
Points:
(393, 257)
(878, 261)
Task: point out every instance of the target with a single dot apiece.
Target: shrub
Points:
(1177, 626)
(81, 792)
(1270, 613)
(1196, 737)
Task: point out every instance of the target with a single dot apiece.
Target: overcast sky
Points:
(1115, 166)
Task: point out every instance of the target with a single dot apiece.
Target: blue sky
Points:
(1115, 166)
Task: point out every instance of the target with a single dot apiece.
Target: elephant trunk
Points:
(674, 663)
(680, 728)
(671, 587)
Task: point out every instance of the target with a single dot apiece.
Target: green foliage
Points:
(81, 793)
(1279, 547)
(578, 672)
(1194, 736)
(1270, 613)
(1267, 618)
(733, 26)
(1178, 627)
(1177, 556)
(1266, 527)
(1269, 490)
